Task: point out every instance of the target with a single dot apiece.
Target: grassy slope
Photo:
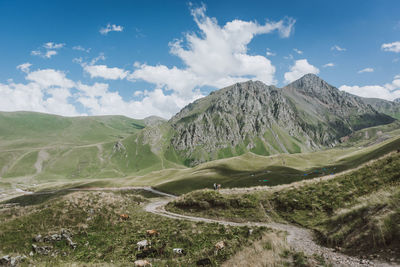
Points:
(77, 146)
(102, 238)
(81, 150)
(253, 170)
(358, 211)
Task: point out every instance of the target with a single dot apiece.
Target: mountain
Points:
(306, 115)
(391, 108)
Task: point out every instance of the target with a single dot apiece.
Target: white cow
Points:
(143, 244)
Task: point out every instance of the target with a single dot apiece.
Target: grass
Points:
(358, 211)
(102, 238)
(254, 170)
(76, 155)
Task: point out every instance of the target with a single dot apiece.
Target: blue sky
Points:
(141, 58)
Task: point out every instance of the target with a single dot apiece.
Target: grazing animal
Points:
(203, 262)
(179, 251)
(124, 217)
(143, 244)
(142, 263)
(152, 232)
(220, 245)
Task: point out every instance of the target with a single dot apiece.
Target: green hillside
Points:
(357, 212)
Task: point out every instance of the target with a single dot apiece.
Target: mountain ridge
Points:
(305, 115)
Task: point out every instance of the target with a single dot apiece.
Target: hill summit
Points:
(305, 115)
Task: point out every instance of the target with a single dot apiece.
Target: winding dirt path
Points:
(300, 239)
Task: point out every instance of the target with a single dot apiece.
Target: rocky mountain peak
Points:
(251, 116)
(311, 84)
(397, 100)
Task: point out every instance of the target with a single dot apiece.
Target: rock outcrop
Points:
(305, 115)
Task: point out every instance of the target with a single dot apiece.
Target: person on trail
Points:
(218, 186)
(215, 186)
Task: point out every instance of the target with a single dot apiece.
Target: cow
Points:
(152, 232)
(203, 262)
(179, 251)
(218, 246)
(142, 263)
(124, 216)
(143, 244)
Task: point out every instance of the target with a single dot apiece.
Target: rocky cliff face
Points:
(391, 108)
(251, 116)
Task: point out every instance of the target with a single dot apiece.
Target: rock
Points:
(71, 243)
(42, 250)
(11, 261)
(38, 238)
(5, 260)
(244, 113)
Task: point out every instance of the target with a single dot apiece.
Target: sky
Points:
(143, 58)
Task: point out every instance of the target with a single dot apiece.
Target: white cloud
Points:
(50, 53)
(216, 57)
(366, 70)
(389, 91)
(328, 65)
(47, 50)
(50, 78)
(105, 72)
(80, 48)
(338, 48)
(51, 45)
(300, 68)
(298, 51)
(391, 47)
(111, 28)
(47, 91)
(24, 67)
(397, 76)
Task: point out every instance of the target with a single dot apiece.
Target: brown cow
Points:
(124, 216)
(152, 232)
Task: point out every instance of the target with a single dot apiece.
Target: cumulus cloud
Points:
(338, 48)
(102, 71)
(47, 50)
(50, 78)
(47, 90)
(389, 91)
(391, 47)
(366, 70)
(328, 65)
(24, 67)
(111, 28)
(216, 57)
(300, 68)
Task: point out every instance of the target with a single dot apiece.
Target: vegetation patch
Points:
(102, 236)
